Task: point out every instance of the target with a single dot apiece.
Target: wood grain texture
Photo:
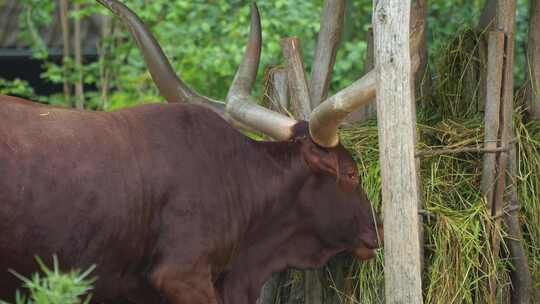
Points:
(492, 111)
(325, 53)
(280, 90)
(521, 277)
(298, 87)
(397, 138)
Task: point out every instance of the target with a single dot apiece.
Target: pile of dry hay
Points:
(457, 255)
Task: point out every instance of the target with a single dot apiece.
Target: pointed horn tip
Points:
(255, 14)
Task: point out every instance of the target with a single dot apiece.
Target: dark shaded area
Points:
(18, 63)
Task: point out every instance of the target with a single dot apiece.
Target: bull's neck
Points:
(277, 174)
(269, 204)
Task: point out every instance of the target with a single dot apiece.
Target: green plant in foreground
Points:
(55, 287)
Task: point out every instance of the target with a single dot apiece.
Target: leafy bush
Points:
(54, 287)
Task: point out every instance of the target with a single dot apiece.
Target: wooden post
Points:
(298, 87)
(492, 112)
(279, 100)
(521, 277)
(397, 139)
(301, 107)
(325, 52)
(277, 90)
(533, 60)
(418, 51)
(269, 290)
(491, 170)
(103, 51)
(64, 16)
(79, 85)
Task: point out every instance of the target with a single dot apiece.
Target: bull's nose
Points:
(363, 253)
(373, 239)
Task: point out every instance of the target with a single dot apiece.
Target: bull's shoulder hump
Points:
(180, 116)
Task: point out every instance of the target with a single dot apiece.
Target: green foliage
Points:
(36, 14)
(16, 87)
(204, 41)
(55, 287)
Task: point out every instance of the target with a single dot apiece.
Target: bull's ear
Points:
(319, 159)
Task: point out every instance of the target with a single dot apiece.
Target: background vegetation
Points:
(205, 39)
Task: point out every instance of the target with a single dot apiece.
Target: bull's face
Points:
(334, 204)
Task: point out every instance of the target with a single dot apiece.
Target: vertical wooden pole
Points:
(521, 277)
(397, 140)
(79, 85)
(64, 16)
(277, 90)
(492, 112)
(533, 60)
(103, 51)
(494, 165)
(325, 53)
(296, 73)
(278, 94)
(418, 51)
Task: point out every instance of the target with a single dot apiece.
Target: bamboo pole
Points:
(397, 138)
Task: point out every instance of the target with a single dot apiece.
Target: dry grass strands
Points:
(456, 232)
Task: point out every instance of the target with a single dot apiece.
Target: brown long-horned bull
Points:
(171, 202)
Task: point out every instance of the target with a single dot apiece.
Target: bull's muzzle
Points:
(367, 249)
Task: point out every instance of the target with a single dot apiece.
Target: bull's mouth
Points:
(365, 252)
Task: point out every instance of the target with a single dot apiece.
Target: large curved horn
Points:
(324, 121)
(172, 88)
(240, 104)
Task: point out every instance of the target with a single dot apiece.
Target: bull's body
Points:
(155, 195)
(169, 201)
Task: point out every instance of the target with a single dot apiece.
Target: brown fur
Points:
(169, 201)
